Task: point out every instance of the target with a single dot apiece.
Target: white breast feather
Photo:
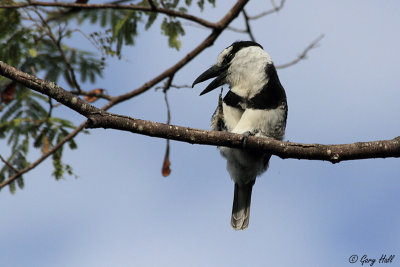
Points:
(232, 116)
(270, 123)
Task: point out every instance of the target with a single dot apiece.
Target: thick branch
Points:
(165, 11)
(99, 118)
(332, 153)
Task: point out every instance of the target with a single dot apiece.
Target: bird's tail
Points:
(241, 206)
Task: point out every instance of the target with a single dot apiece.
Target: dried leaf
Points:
(9, 93)
(46, 144)
(165, 167)
(92, 99)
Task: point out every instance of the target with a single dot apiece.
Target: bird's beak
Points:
(214, 71)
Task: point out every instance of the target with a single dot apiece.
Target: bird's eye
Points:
(228, 58)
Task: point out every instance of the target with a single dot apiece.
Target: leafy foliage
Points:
(200, 3)
(9, 19)
(172, 29)
(26, 116)
(25, 119)
(37, 41)
(123, 24)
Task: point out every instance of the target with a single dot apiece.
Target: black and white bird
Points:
(254, 105)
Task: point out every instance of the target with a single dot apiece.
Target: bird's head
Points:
(239, 61)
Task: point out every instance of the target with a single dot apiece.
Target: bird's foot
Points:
(246, 136)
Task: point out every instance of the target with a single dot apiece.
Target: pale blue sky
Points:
(121, 212)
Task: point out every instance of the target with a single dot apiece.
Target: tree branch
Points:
(9, 165)
(166, 11)
(50, 89)
(248, 28)
(220, 26)
(152, 5)
(68, 99)
(303, 54)
(247, 18)
(99, 118)
(332, 153)
(275, 9)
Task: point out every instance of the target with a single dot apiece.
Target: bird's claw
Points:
(246, 137)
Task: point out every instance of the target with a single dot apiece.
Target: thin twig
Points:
(268, 12)
(234, 29)
(303, 54)
(174, 86)
(166, 170)
(248, 28)
(181, 86)
(248, 18)
(166, 11)
(9, 165)
(57, 43)
(94, 94)
(165, 90)
(273, 4)
(151, 3)
(51, 106)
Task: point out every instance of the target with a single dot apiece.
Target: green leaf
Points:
(104, 18)
(32, 52)
(11, 110)
(125, 29)
(72, 144)
(200, 3)
(150, 19)
(171, 4)
(20, 182)
(9, 20)
(11, 187)
(173, 29)
(121, 23)
(183, 9)
(212, 2)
